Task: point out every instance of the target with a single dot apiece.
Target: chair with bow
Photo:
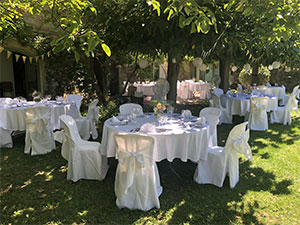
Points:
(127, 108)
(212, 115)
(39, 135)
(225, 160)
(283, 114)
(74, 98)
(215, 101)
(294, 92)
(258, 118)
(137, 184)
(86, 125)
(84, 158)
(5, 138)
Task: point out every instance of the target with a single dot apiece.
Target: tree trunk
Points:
(173, 71)
(97, 73)
(224, 72)
(255, 73)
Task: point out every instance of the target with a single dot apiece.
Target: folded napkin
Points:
(186, 114)
(115, 120)
(148, 127)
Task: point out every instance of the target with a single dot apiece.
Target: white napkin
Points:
(60, 99)
(115, 120)
(186, 114)
(148, 127)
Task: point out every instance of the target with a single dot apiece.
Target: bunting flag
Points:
(17, 57)
(30, 59)
(37, 59)
(43, 56)
(9, 54)
(1, 49)
(48, 53)
(24, 58)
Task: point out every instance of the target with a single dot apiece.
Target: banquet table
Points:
(186, 89)
(146, 88)
(178, 138)
(277, 91)
(13, 117)
(241, 105)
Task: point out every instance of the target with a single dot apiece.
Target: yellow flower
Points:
(159, 105)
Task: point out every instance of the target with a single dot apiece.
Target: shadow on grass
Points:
(34, 189)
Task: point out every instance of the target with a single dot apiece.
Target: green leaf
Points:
(77, 56)
(106, 49)
(170, 14)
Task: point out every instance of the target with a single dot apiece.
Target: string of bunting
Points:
(24, 58)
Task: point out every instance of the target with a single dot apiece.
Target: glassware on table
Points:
(170, 110)
(136, 111)
(48, 97)
(161, 119)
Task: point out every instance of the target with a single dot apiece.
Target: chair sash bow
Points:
(241, 145)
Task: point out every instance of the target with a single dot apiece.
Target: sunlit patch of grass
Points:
(35, 190)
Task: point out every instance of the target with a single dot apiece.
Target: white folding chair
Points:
(225, 160)
(5, 138)
(258, 117)
(294, 92)
(86, 125)
(225, 117)
(212, 115)
(283, 114)
(74, 98)
(218, 91)
(39, 135)
(84, 158)
(137, 184)
(127, 108)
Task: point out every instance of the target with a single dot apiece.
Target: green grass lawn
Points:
(34, 189)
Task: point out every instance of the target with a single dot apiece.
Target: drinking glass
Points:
(170, 110)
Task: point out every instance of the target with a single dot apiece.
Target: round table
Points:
(13, 117)
(175, 139)
(241, 105)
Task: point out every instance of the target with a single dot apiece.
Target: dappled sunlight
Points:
(50, 206)
(20, 212)
(26, 183)
(48, 175)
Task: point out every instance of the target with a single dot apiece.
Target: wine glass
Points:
(170, 110)
(161, 119)
(136, 110)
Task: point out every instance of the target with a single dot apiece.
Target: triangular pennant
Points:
(9, 54)
(30, 59)
(1, 49)
(24, 58)
(43, 56)
(37, 59)
(17, 57)
(48, 54)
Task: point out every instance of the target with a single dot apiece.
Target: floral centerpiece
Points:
(37, 96)
(159, 109)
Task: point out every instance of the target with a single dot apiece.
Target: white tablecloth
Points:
(147, 89)
(13, 118)
(177, 141)
(241, 105)
(278, 92)
(186, 89)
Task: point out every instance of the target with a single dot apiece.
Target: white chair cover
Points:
(5, 138)
(127, 108)
(223, 160)
(39, 135)
(295, 92)
(86, 125)
(212, 115)
(283, 114)
(76, 99)
(84, 158)
(258, 117)
(216, 102)
(137, 184)
(218, 91)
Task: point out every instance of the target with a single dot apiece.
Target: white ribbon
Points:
(134, 160)
(241, 145)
